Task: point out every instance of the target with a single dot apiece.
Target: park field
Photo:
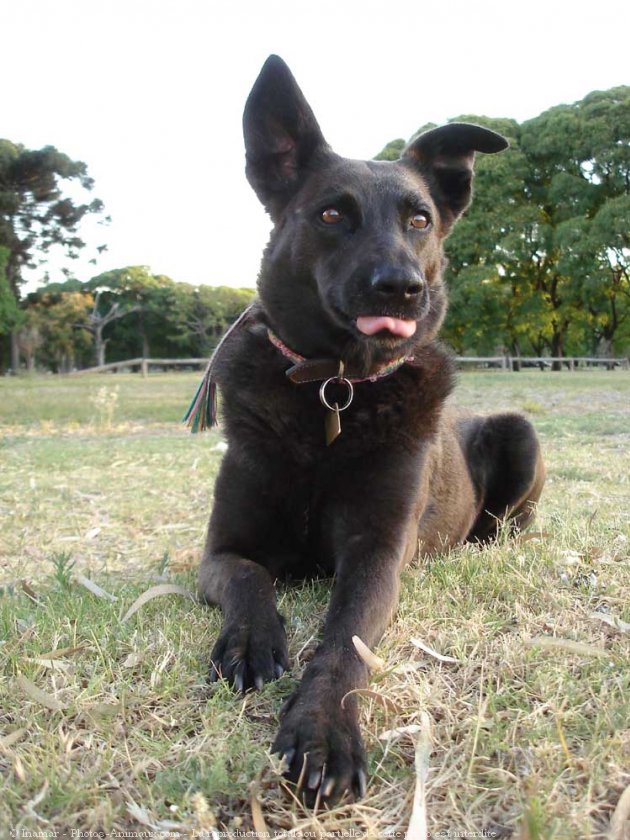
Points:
(517, 718)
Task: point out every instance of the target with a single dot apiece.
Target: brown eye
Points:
(331, 216)
(420, 221)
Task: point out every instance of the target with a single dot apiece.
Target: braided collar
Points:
(316, 370)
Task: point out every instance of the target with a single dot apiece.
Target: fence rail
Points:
(508, 363)
(570, 362)
(142, 365)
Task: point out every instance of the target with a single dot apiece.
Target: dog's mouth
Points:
(387, 325)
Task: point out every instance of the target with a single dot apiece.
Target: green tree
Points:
(541, 260)
(143, 296)
(10, 315)
(201, 314)
(35, 216)
(392, 150)
(56, 330)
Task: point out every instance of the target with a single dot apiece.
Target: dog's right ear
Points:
(281, 135)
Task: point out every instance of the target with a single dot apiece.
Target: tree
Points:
(201, 314)
(10, 315)
(135, 289)
(541, 260)
(56, 329)
(35, 216)
(98, 320)
(392, 150)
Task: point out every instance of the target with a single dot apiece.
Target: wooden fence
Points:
(544, 362)
(505, 363)
(142, 365)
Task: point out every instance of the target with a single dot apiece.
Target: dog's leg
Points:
(508, 472)
(252, 646)
(366, 534)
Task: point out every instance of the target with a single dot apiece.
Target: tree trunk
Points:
(99, 345)
(15, 354)
(557, 348)
(515, 351)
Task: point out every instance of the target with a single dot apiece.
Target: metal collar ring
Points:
(338, 380)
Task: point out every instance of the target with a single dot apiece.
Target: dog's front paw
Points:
(321, 745)
(250, 654)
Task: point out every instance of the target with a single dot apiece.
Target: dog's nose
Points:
(396, 282)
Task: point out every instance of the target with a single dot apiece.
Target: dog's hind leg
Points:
(507, 470)
(252, 646)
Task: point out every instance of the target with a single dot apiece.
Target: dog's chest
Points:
(267, 413)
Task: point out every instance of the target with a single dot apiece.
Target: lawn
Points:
(107, 723)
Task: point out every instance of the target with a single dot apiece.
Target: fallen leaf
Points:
(407, 668)
(132, 660)
(59, 653)
(533, 535)
(258, 819)
(155, 592)
(94, 588)
(139, 813)
(101, 711)
(12, 738)
(621, 817)
(439, 656)
(374, 662)
(612, 621)
(394, 734)
(418, 821)
(53, 664)
(28, 590)
(40, 696)
(552, 642)
(571, 557)
(18, 768)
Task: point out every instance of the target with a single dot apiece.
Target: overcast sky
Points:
(149, 93)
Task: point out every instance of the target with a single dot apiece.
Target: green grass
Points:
(98, 478)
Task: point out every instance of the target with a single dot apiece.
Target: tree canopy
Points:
(36, 216)
(541, 261)
(122, 314)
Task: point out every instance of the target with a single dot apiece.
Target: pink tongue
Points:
(371, 324)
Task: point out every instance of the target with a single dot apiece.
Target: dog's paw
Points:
(248, 655)
(320, 743)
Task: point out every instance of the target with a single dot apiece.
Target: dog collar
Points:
(202, 412)
(317, 370)
(330, 372)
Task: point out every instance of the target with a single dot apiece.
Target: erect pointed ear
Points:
(446, 157)
(281, 135)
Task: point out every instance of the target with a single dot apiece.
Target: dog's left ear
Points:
(446, 157)
(281, 135)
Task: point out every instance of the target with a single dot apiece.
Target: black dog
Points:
(341, 457)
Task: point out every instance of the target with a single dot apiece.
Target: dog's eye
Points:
(420, 221)
(331, 216)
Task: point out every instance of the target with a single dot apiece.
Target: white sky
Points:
(150, 93)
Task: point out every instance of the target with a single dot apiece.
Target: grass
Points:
(99, 481)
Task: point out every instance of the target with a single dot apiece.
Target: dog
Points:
(342, 457)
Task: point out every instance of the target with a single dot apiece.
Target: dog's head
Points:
(353, 267)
